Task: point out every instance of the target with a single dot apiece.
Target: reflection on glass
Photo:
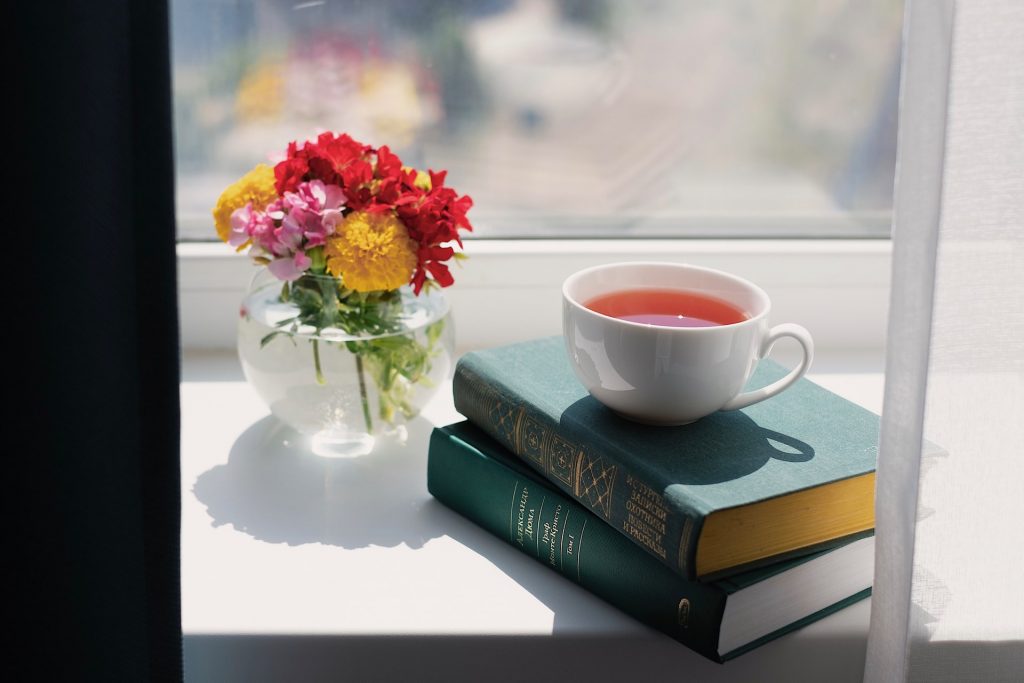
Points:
(562, 117)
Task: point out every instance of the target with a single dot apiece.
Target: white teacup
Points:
(671, 375)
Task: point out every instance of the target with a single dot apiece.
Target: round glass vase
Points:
(337, 367)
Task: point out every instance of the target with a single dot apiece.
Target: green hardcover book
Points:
(730, 492)
(475, 476)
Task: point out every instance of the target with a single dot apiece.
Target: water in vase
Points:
(362, 395)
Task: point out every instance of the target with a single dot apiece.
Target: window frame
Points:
(837, 288)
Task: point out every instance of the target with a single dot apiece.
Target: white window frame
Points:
(509, 290)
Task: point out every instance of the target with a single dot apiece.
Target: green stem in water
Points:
(362, 394)
(320, 379)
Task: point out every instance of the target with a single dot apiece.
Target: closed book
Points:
(475, 476)
(735, 490)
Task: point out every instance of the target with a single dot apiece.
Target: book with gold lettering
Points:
(733, 491)
(475, 476)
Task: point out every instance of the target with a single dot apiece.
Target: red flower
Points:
(327, 160)
(332, 155)
(433, 219)
(289, 173)
(389, 166)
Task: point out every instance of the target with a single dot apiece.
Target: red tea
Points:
(667, 307)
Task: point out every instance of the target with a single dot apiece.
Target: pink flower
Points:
(311, 212)
(328, 197)
(290, 268)
(241, 222)
(288, 237)
(261, 231)
(290, 226)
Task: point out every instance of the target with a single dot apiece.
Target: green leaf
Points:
(434, 331)
(270, 337)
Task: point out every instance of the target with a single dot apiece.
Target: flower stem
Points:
(320, 379)
(362, 394)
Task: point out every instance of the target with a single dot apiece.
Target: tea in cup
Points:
(668, 343)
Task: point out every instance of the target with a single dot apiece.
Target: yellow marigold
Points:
(256, 186)
(371, 251)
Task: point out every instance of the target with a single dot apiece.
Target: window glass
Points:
(562, 118)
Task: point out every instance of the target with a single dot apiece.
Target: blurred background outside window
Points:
(562, 118)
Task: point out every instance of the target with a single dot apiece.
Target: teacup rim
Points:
(754, 319)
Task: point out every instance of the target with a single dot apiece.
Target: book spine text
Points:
(591, 475)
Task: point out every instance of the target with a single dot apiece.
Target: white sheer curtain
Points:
(948, 601)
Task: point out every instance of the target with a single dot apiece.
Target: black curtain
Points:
(93, 343)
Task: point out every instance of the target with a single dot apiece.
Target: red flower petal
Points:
(288, 174)
(418, 278)
(440, 273)
(388, 164)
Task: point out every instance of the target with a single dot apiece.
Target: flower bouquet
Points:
(345, 327)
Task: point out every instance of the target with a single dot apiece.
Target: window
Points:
(562, 118)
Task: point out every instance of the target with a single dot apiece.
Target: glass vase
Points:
(342, 367)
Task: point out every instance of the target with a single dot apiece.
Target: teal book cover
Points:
(478, 478)
(735, 490)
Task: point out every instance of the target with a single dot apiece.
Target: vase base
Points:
(341, 444)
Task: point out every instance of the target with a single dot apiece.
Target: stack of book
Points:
(723, 534)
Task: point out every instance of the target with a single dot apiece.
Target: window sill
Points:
(295, 566)
(509, 290)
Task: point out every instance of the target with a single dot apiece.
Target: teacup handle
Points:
(785, 330)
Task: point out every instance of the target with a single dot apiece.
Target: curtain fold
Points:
(948, 600)
(90, 231)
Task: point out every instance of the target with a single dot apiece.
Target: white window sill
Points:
(509, 290)
(297, 567)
